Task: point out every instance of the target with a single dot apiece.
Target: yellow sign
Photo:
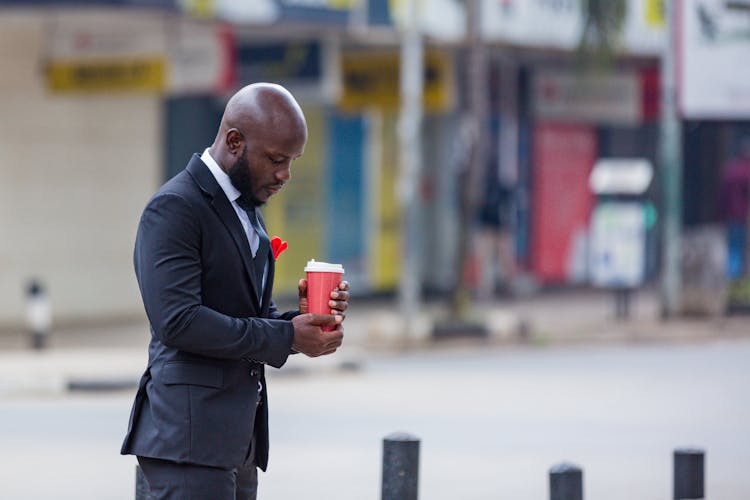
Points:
(655, 13)
(204, 9)
(386, 265)
(371, 79)
(340, 4)
(122, 74)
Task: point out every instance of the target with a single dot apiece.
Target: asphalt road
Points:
(492, 422)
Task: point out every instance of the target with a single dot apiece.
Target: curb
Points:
(101, 385)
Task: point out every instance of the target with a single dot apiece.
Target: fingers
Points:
(302, 287)
(335, 335)
(330, 344)
(324, 319)
(342, 296)
(339, 298)
(338, 306)
(315, 342)
(341, 291)
(333, 339)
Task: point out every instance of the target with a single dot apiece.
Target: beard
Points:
(239, 174)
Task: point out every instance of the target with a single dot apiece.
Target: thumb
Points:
(324, 319)
(302, 287)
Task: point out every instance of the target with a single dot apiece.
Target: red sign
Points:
(650, 93)
(563, 158)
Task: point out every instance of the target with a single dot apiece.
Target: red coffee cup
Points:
(322, 279)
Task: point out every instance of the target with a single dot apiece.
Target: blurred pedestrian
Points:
(733, 208)
(199, 424)
(495, 248)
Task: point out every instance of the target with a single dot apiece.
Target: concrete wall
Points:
(75, 172)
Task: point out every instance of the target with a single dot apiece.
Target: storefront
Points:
(714, 100)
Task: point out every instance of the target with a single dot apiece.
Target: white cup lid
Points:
(323, 267)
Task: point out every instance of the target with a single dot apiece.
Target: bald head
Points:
(263, 105)
(262, 130)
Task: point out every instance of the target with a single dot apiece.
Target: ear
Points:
(235, 141)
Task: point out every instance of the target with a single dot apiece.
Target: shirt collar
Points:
(221, 177)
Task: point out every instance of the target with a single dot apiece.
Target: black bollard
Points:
(142, 490)
(38, 314)
(400, 467)
(566, 482)
(688, 473)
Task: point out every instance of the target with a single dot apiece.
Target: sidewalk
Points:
(113, 357)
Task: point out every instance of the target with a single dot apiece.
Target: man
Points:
(199, 424)
(495, 239)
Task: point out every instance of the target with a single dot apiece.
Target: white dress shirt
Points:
(233, 194)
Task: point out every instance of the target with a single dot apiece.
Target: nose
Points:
(284, 173)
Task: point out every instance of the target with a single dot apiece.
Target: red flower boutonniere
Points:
(278, 246)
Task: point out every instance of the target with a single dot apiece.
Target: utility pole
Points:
(670, 139)
(470, 193)
(410, 153)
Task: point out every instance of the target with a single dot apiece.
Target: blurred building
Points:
(102, 101)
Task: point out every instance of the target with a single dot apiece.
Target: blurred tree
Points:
(603, 21)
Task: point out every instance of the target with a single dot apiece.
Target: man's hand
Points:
(339, 298)
(309, 339)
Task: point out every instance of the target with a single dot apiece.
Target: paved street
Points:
(492, 421)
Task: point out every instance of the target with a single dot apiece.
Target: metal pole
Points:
(479, 104)
(470, 190)
(508, 168)
(142, 490)
(671, 169)
(688, 473)
(566, 482)
(400, 467)
(410, 146)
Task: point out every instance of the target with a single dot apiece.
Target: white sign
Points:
(442, 19)
(621, 176)
(618, 245)
(238, 12)
(200, 58)
(197, 55)
(605, 99)
(544, 23)
(559, 24)
(82, 35)
(715, 56)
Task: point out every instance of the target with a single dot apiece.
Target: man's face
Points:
(265, 164)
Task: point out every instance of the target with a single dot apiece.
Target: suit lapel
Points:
(205, 179)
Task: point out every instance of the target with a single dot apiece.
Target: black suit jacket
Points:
(211, 333)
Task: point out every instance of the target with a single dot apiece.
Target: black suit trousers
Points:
(173, 481)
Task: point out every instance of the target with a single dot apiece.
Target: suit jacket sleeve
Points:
(275, 314)
(168, 266)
